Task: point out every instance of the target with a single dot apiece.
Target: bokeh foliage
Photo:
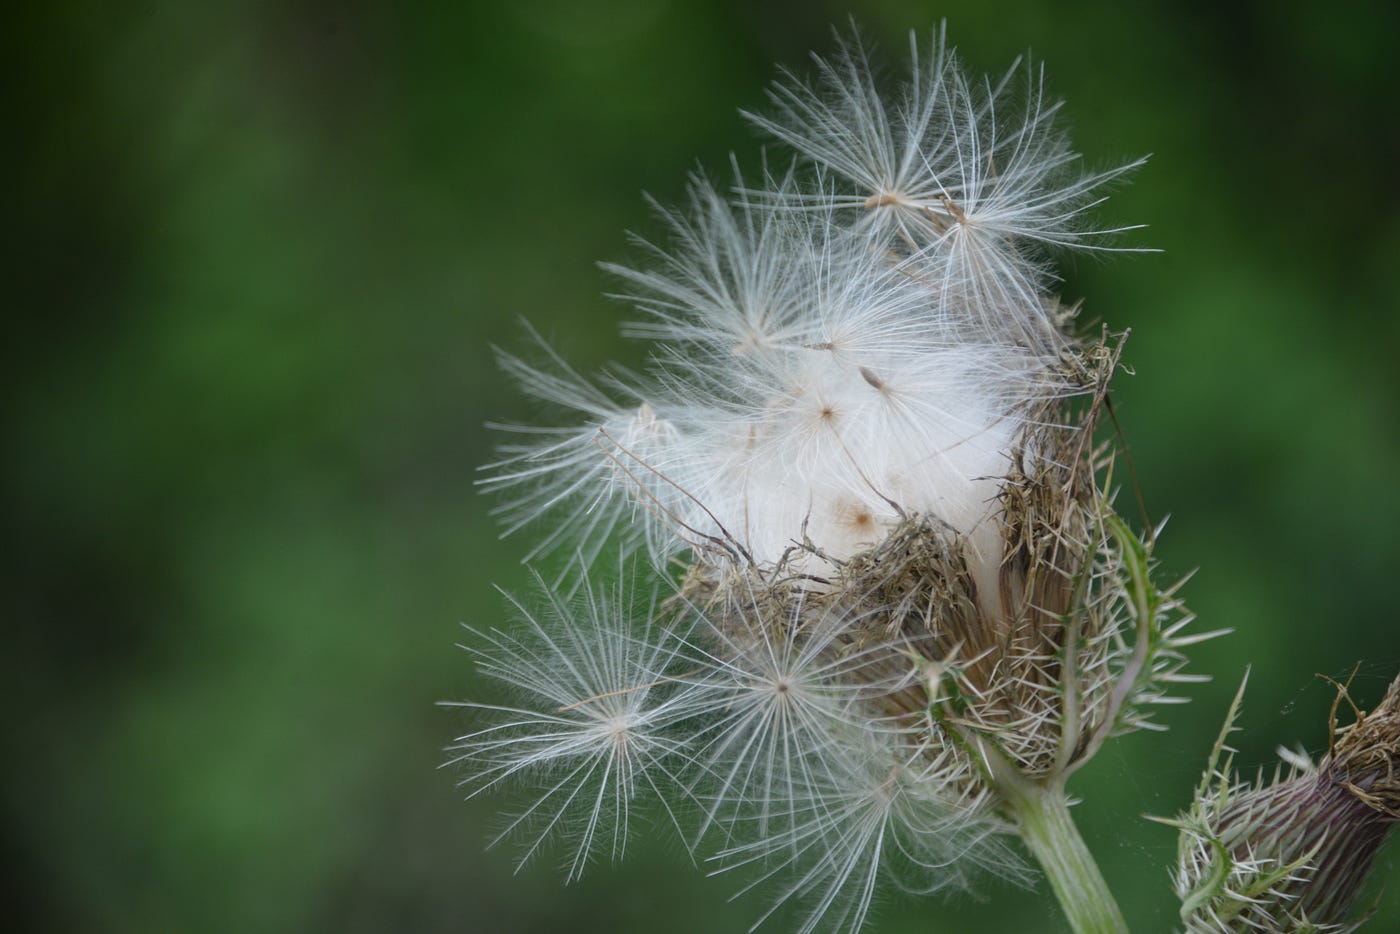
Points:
(259, 252)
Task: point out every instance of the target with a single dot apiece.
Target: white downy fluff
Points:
(859, 338)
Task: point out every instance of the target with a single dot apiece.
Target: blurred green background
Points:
(259, 252)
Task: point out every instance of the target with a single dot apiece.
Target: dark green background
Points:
(258, 252)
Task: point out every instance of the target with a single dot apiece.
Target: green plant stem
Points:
(1042, 814)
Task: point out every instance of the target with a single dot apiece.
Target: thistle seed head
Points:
(867, 432)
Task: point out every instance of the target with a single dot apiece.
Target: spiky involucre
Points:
(1291, 853)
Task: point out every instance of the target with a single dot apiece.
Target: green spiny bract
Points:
(1291, 854)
